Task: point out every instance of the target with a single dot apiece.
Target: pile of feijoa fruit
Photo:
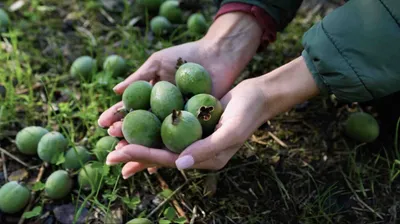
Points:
(173, 115)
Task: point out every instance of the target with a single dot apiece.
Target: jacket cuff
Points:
(265, 21)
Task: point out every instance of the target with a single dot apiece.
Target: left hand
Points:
(244, 111)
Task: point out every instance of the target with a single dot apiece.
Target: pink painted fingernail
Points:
(184, 162)
(117, 86)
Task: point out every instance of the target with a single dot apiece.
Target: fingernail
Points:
(184, 162)
(98, 123)
(110, 163)
(116, 87)
(127, 176)
(152, 171)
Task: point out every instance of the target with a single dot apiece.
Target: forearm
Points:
(287, 86)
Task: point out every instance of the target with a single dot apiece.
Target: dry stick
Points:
(3, 158)
(28, 208)
(357, 197)
(280, 142)
(164, 186)
(14, 157)
(194, 215)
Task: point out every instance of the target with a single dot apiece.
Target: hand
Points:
(244, 111)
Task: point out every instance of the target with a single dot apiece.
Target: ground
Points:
(297, 168)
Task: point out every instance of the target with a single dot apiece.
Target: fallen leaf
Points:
(18, 175)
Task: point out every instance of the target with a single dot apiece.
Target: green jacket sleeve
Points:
(354, 52)
(283, 11)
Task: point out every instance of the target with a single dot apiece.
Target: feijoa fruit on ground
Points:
(4, 20)
(92, 175)
(197, 23)
(207, 109)
(84, 67)
(13, 197)
(179, 130)
(160, 25)
(140, 221)
(142, 127)
(51, 145)
(58, 184)
(115, 65)
(170, 9)
(28, 138)
(362, 127)
(192, 79)
(151, 5)
(137, 96)
(73, 155)
(104, 146)
(164, 98)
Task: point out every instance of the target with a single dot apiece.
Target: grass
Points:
(320, 177)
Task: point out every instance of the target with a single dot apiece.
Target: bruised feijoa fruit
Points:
(115, 65)
(58, 184)
(140, 221)
(137, 96)
(104, 146)
(179, 130)
(207, 109)
(13, 197)
(192, 79)
(362, 127)
(28, 138)
(160, 25)
(197, 23)
(164, 98)
(142, 127)
(90, 177)
(170, 9)
(84, 67)
(51, 145)
(4, 21)
(75, 156)
(151, 5)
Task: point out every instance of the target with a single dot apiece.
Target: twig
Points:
(14, 157)
(164, 186)
(166, 200)
(35, 86)
(357, 197)
(280, 142)
(194, 215)
(33, 196)
(3, 158)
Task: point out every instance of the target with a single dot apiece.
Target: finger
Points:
(147, 72)
(111, 115)
(207, 148)
(131, 168)
(152, 170)
(143, 154)
(115, 129)
(121, 144)
(219, 161)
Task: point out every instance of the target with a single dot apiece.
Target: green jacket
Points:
(354, 52)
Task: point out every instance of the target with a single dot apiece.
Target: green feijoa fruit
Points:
(104, 146)
(88, 175)
(362, 127)
(84, 67)
(197, 23)
(207, 109)
(27, 139)
(160, 25)
(192, 79)
(179, 130)
(170, 9)
(137, 96)
(51, 145)
(115, 65)
(74, 155)
(142, 127)
(164, 98)
(4, 21)
(13, 197)
(151, 5)
(140, 221)
(58, 184)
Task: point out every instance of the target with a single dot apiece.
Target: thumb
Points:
(205, 149)
(146, 72)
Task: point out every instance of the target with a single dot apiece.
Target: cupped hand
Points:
(244, 111)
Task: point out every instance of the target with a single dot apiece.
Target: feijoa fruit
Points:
(28, 138)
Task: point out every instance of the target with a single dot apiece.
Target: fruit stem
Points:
(176, 114)
(180, 62)
(205, 113)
